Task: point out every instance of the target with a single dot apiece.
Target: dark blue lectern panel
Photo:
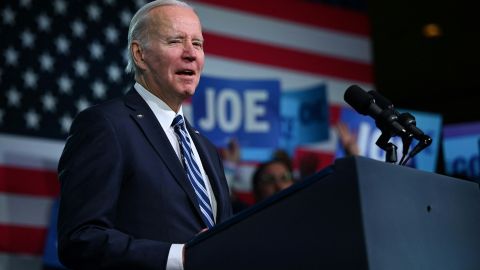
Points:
(358, 214)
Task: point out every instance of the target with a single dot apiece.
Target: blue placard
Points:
(460, 147)
(305, 118)
(247, 110)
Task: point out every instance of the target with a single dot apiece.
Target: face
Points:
(275, 177)
(172, 60)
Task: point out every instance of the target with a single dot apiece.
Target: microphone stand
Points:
(386, 122)
(423, 143)
(388, 147)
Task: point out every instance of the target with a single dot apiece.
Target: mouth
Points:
(185, 72)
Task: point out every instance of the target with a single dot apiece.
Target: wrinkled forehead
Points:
(163, 19)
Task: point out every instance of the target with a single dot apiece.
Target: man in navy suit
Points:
(126, 201)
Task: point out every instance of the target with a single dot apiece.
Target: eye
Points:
(174, 41)
(198, 43)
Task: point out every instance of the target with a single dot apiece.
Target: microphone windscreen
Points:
(358, 99)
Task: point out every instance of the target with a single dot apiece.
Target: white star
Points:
(27, 38)
(32, 118)
(63, 45)
(78, 28)
(96, 50)
(8, 16)
(26, 3)
(46, 62)
(13, 97)
(30, 79)
(109, 2)
(60, 7)
(44, 23)
(114, 73)
(112, 34)
(94, 12)
(49, 102)
(99, 89)
(11, 56)
(65, 84)
(81, 67)
(65, 122)
(125, 17)
(82, 104)
(2, 113)
(139, 3)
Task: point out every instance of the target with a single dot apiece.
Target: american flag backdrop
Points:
(59, 57)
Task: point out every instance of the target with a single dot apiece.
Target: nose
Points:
(189, 53)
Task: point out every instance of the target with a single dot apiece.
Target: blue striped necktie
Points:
(193, 171)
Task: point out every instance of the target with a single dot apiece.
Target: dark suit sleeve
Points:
(91, 171)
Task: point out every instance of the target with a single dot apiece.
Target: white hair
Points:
(138, 27)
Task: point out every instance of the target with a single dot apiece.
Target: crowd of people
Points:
(277, 173)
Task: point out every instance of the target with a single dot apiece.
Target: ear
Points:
(137, 53)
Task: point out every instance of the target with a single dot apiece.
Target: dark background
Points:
(439, 74)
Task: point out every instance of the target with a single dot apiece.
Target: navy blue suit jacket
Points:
(124, 193)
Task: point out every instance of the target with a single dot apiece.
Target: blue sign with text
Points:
(247, 110)
(305, 117)
(461, 150)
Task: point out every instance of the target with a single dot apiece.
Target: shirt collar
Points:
(162, 111)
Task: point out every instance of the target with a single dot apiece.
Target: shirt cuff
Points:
(175, 257)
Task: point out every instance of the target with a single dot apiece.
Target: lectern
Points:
(358, 213)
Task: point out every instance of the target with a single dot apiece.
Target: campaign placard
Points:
(461, 150)
(245, 110)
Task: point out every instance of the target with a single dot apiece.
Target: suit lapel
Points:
(153, 131)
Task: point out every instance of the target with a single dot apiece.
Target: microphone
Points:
(384, 103)
(422, 144)
(408, 121)
(385, 118)
(423, 140)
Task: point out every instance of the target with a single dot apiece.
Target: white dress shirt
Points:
(165, 116)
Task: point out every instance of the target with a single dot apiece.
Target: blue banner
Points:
(461, 150)
(247, 110)
(305, 118)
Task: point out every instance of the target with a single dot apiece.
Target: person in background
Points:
(271, 177)
(282, 155)
(231, 162)
(347, 139)
(137, 181)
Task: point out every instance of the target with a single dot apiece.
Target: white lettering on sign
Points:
(246, 108)
(253, 110)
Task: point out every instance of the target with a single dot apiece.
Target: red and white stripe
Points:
(301, 44)
(28, 186)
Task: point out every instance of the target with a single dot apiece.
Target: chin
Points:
(188, 92)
